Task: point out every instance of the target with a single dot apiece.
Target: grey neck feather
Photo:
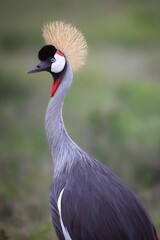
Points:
(63, 150)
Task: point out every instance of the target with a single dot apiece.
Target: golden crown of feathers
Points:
(69, 40)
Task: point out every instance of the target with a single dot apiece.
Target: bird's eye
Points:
(53, 60)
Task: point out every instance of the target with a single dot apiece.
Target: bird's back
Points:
(96, 204)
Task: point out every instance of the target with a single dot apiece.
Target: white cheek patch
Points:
(59, 64)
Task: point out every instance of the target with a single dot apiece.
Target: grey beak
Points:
(41, 66)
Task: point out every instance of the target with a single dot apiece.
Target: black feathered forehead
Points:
(46, 52)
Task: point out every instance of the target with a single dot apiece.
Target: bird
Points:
(87, 200)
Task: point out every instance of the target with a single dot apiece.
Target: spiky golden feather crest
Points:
(69, 40)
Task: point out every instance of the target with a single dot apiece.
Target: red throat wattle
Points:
(54, 86)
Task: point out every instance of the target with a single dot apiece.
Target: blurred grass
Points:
(112, 109)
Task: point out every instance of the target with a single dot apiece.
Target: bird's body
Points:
(88, 202)
(94, 202)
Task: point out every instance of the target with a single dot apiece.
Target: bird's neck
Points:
(60, 145)
(54, 126)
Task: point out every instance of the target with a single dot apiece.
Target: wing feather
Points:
(96, 205)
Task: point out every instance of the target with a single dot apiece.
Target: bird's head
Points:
(65, 45)
(51, 60)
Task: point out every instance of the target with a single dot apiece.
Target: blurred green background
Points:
(112, 110)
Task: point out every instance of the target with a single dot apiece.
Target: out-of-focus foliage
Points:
(112, 110)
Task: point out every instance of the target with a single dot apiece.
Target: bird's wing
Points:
(96, 205)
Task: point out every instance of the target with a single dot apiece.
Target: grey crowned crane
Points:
(88, 202)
